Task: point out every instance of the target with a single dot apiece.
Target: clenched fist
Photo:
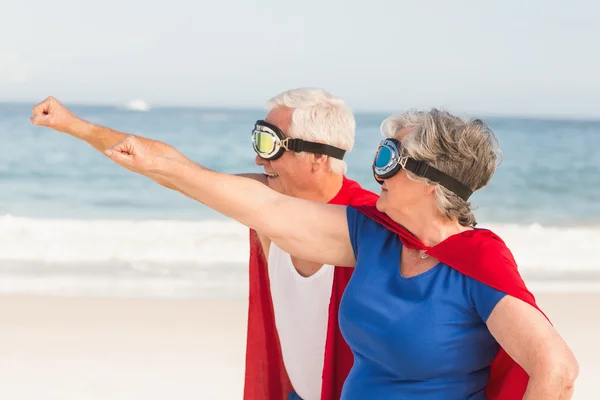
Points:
(133, 155)
(52, 114)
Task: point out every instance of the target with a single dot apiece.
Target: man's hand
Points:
(52, 114)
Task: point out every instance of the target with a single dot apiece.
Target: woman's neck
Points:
(430, 227)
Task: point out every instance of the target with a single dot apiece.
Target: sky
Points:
(496, 57)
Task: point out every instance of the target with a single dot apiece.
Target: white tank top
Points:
(301, 308)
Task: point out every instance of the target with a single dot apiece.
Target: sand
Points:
(86, 348)
(68, 348)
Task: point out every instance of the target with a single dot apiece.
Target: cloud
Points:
(13, 69)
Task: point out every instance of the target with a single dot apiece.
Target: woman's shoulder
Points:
(367, 234)
(478, 294)
(362, 224)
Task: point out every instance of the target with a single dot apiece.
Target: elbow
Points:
(570, 374)
(560, 372)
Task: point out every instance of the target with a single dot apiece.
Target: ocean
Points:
(74, 223)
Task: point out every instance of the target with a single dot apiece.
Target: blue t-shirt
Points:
(415, 338)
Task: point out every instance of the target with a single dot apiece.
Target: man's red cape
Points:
(266, 378)
(481, 255)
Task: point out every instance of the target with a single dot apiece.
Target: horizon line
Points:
(356, 110)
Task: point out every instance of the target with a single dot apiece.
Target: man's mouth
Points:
(272, 176)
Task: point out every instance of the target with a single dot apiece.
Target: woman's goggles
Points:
(389, 159)
(270, 143)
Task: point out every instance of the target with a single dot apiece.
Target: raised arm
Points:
(52, 114)
(309, 230)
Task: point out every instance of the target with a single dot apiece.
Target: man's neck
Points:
(323, 189)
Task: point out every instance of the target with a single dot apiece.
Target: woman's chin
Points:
(381, 203)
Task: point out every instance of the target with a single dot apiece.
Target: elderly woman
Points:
(435, 309)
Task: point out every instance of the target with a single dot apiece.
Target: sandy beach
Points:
(73, 348)
(88, 348)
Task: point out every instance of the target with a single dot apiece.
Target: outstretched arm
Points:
(312, 231)
(102, 138)
(52, 114)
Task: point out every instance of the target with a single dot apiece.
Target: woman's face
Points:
(399, 193)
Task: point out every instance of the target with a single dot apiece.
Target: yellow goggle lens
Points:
(263, 142)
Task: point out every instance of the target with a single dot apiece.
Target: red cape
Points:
(266, 378)
(481, 255)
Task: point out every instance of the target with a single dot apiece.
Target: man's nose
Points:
(259, 160)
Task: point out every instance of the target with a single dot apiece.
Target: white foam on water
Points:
(168, 258)
(552, 249)
(23, 239)
(49, 240)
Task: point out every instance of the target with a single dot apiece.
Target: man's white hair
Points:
(318, 116)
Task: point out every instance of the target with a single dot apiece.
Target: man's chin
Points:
(275, 184)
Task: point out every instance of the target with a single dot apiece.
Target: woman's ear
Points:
(430, 189)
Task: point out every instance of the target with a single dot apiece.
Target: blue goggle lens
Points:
(384, 157)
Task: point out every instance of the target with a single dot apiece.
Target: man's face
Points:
(289, 174)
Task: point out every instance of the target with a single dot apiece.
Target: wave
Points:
(539, 248)
(63, 240)
(208, 259)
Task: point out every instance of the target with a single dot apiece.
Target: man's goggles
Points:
(270, 143)
(389, 160)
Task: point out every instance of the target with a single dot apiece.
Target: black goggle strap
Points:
(423, 169)
(299, 145)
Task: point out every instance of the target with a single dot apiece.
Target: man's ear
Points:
(319, 161)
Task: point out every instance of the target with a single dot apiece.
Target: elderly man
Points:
(294, 346)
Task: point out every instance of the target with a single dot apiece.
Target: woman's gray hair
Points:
(466, 150)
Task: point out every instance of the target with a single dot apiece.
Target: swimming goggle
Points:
(389, 160)
(270, 143)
